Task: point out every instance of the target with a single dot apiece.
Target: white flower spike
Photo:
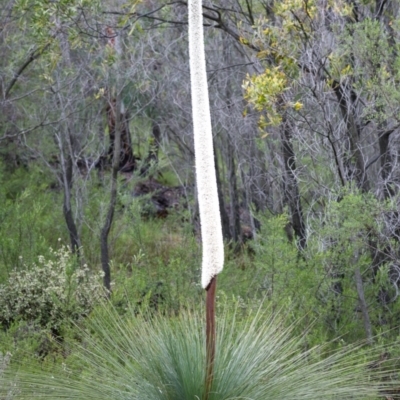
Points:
(210, 217)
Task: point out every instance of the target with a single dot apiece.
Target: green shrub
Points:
(49, 292)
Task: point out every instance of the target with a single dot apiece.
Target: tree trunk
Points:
(386, 164)
(363, 305)
(68, 146)
(105, 258)
(355, 160)
(154, 145)
(291, 187)
(127, 160)
(226, 232)
(67, 170)
(236, 233)
(67, 165)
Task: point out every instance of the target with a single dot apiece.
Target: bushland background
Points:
(97, 184)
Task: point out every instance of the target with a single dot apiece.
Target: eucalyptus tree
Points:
(61, 101)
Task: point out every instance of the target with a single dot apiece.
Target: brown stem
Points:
(210, 335)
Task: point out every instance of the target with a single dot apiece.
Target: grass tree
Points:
(210, 218)
(142, 357)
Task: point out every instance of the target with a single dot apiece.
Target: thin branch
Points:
(35, 54)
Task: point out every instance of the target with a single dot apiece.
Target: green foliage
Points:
(45, 17)
(28, 218)
(284, 278)
(278, 261)
(162, 357)
(50, 293)
(263, 91)
(157, 261)
(318, 285)
(348, 235)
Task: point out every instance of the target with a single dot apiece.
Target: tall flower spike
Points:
(210, 218)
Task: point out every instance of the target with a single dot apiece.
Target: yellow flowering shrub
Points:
(263, 90)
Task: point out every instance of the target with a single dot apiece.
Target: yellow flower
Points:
(99, 94)
(297, 106)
